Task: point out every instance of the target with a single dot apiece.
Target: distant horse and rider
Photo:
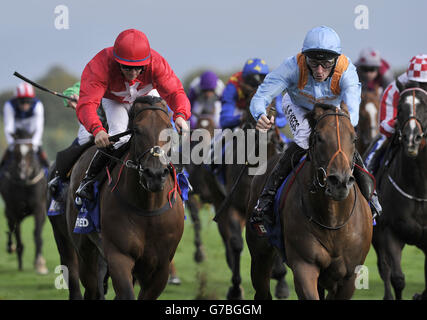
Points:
(325, 222)
(23, 188)
(402, 189)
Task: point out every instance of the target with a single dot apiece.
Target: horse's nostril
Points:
(333, 180)
(351, 180)
(418, 138)
(165, 172)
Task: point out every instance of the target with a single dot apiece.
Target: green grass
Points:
(210, 279)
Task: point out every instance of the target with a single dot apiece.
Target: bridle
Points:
(413, 114)
(325, 173)
(321, 180)
(154, 151)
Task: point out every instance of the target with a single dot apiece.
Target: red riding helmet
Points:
(24, 90)
(132, 48)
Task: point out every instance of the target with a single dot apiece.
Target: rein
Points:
(321, 169)
(413, 115)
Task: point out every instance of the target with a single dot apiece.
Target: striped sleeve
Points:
(388, 109)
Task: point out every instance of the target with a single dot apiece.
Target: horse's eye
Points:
(319, 138)
(355, 139)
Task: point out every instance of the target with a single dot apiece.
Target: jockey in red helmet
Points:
(117, 76)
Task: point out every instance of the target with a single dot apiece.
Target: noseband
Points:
(321, 174)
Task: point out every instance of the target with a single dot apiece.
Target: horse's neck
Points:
(409, 172)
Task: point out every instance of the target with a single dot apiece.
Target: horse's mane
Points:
(140, 101)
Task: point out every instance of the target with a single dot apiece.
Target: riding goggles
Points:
(326, 64)
(129, 68)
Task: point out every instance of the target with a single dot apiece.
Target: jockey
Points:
(118, 75)
(416, 72)
(204, 95)
(320, 73)
(24, 111)
(374, 72)
(239, 90)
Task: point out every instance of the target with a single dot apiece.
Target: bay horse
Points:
(368, 127)
(402, 190)
(141, 212)
(23, 189)
(326, 222)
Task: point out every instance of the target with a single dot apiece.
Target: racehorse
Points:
(141, 212)
(23, 189)
(232, 221)
(325, 221)
(402, 190)
(367, 128)
(196, 178)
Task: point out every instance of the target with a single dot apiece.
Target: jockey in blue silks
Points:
(319, 74)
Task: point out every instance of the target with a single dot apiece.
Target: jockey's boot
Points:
(366, 184)
(99, 160)
(43, 158)
(263, 211)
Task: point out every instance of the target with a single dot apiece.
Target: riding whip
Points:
(16, 74)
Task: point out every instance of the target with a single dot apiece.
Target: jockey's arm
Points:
(9, 122)
(273, 85)
(351, 90)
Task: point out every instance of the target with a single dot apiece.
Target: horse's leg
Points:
(199, 255)
(379, 244)
(152, 286)
(11, 223)
(120, 268)
(345, 290)
(305, 279)
(279, 272)
(39, 262)
(262, 258)
(88, 270)
(68, 255)
(19, 244)
(231, 233)
(393, 255)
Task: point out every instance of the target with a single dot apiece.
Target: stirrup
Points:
(83, 191)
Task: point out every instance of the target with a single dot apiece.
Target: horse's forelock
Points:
(318, 110)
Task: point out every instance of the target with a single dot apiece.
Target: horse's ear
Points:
(344, 108)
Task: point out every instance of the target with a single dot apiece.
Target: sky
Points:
(194, 34)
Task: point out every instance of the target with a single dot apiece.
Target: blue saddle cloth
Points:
(274, 232)
(88, 217)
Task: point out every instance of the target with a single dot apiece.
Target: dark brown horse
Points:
(402, 190)
(326, 223)
(202, 193)
(23, 188)
(142, 215)
(367, 128)
(232, 221)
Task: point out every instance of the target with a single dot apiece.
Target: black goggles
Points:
(254, 80)
(128, 68)
(368, 69)
(326, 64)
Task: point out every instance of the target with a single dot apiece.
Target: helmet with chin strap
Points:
(254, 72)
(132, 48)
(321, 43)
(417, 68)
